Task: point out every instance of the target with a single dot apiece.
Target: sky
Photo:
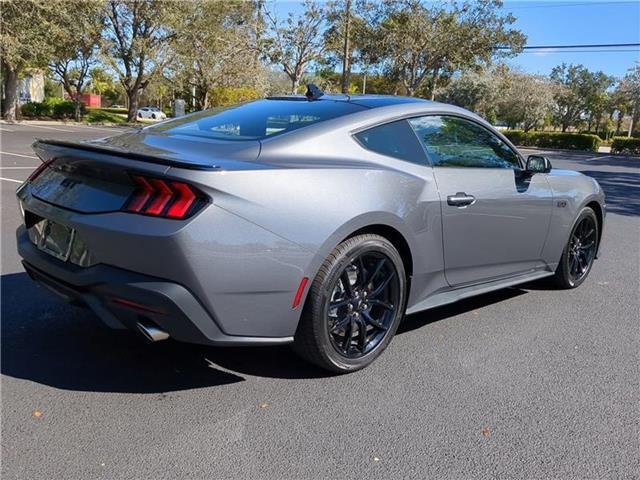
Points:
(566, 22)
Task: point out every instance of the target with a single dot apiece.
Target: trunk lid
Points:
(96, 176)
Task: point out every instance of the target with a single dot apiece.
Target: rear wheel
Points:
(580, 251)
(354, 305)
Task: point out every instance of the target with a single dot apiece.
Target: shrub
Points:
(569, 141)
(224, 96)
(66, 109)
(36, 109)
(517, 137)
(628, 146)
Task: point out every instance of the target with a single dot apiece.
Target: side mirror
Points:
(538, 164)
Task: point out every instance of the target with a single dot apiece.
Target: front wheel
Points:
(354, 305)
(579, 252)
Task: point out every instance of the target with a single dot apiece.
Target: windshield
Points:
(259, 119)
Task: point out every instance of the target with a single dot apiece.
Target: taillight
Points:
(41, 168)
(164, 198)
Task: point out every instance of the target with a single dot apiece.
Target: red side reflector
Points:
(298, 297)
(162, 196)
(184, 201)
(136, 306)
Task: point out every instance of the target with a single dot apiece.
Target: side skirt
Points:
(452, 296)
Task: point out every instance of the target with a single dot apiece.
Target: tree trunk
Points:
(132, 112)
(433, 85)
(619, 123)
(346, 53)
(633, 114)
(78, 104)
(295, 83)
(205, 100)
(10, 105)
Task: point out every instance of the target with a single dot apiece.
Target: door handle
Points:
(460, 199)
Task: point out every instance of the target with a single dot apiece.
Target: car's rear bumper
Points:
(123, 298)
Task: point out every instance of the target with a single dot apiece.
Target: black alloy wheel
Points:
(354, 305)
(363, 304)
(580, 251)
(582, 248)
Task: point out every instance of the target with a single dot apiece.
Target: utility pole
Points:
(346, 53)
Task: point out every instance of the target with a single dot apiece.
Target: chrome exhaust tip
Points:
(152, 333)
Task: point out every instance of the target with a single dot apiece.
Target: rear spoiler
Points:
(42, 148)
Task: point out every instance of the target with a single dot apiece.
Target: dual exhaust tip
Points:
(152, 332)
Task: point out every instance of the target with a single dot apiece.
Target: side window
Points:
(395, 139)
(456, 142)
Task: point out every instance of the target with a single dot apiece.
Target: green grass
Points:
(99, 115)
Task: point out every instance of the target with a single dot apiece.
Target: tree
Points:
(525, 99)
(26, 41)
(76, 46)
(475, 91)
(598, 99)
(630, 89)
(422, 44)
(136, 45)
(214, 41)
(297, 42)
(577, 91)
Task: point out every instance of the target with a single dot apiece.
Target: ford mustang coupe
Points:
(317, 220)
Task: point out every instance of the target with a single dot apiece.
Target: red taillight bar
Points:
(184, 201)
(161, 198)
(39, 169)
(163, 194)
(141, 195)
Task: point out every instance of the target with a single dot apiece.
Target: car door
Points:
(495, 218)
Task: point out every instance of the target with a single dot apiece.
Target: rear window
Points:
(258, 120)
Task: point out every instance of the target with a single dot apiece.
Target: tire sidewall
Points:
(340, 362)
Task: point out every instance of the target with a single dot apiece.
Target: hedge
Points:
(626, 145)
(52, 107)
(569, 141)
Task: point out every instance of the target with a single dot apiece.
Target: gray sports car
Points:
(315, 220)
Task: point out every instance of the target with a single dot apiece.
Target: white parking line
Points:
(3, 129)
(19, 155)
(11, 180)
(91, 127)
(46, 128)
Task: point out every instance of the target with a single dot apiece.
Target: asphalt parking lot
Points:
(523, 383)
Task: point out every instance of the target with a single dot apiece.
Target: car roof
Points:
(367, 101)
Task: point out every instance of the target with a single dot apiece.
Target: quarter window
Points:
(395, 139)
(456, 142)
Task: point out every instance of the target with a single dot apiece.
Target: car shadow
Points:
(51, 343)
(419, 320)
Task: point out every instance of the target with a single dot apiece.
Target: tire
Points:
(366, 312)
(572, 273)
(139, 115)
(153, 116)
